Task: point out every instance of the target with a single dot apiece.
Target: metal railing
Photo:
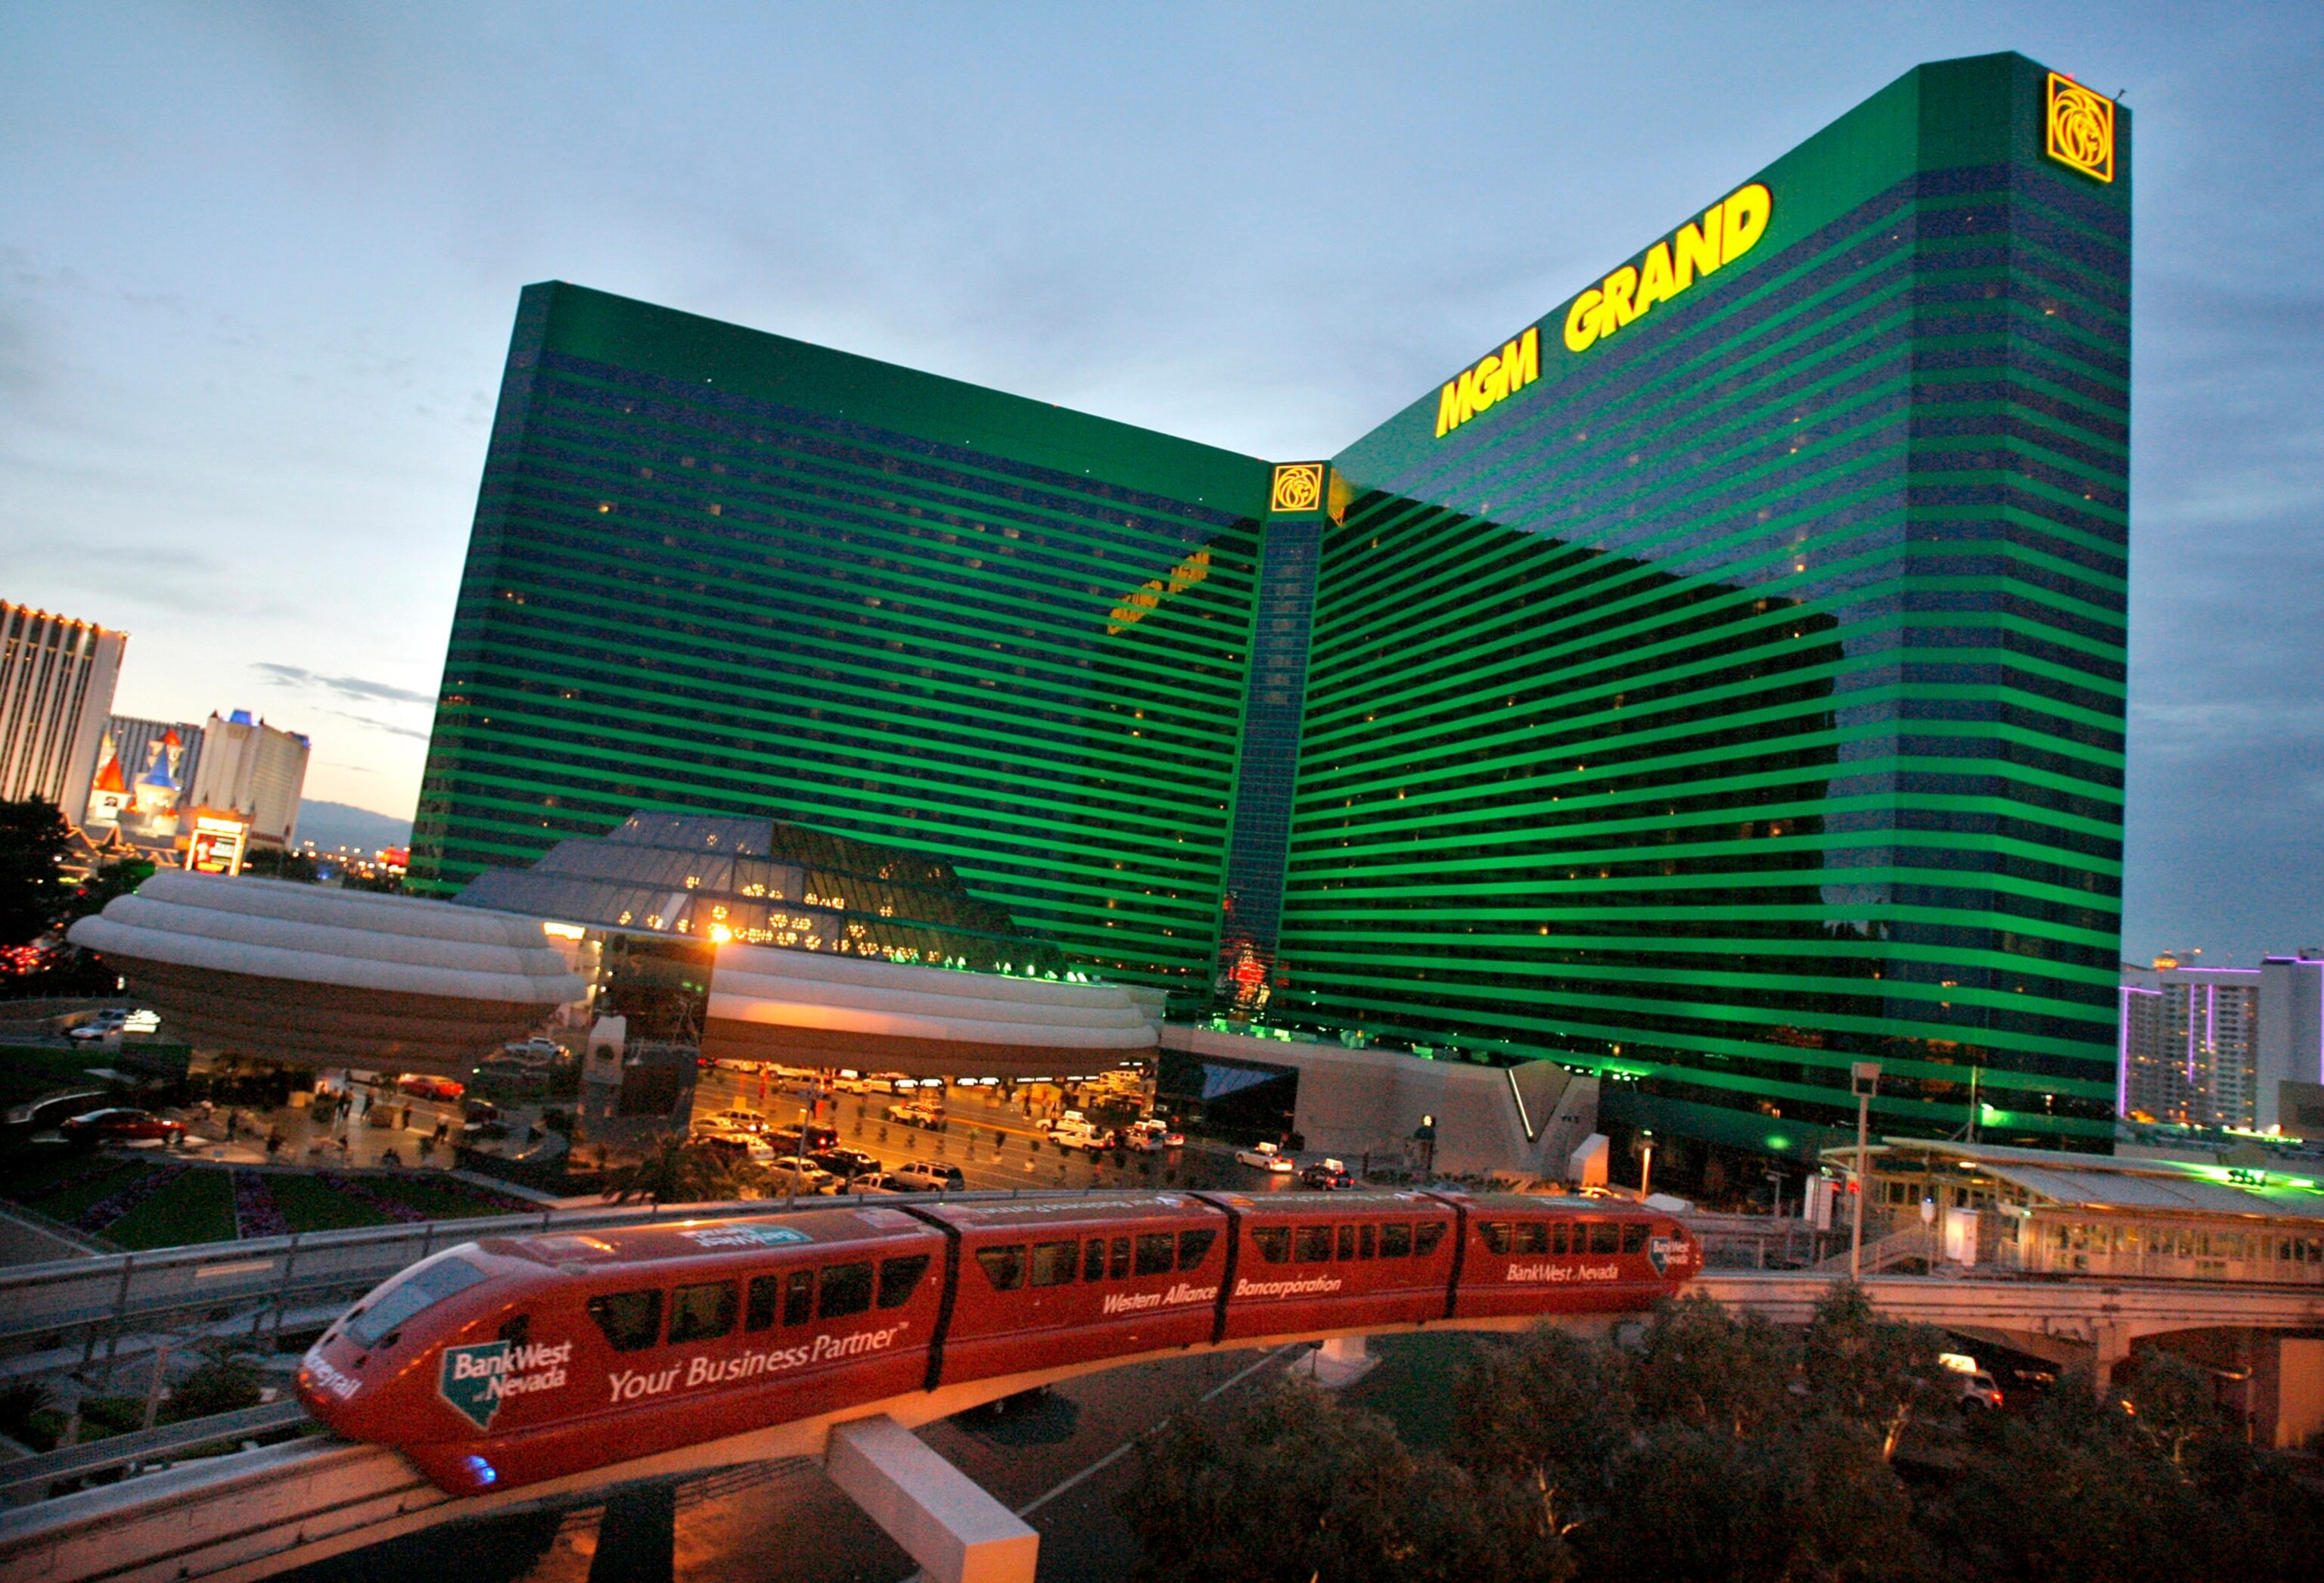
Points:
(31, 1478)
(110, 1295)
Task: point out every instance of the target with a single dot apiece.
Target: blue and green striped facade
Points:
(1740, 698)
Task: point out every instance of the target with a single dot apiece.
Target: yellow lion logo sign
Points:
(2081, 128)
(1298, 487)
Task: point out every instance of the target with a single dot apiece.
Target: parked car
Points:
(1264, 1157)
(931, 1176)
(110, 1021)
(786, 1140)
(847, 1162)
(1071, 1132)
(883, 1183)
(535, 1052)
(120, 1125)
(738, 1120)
(1979, 1391)
(421, 1086)
(737, 1145)
(791, 1177)
(1326, 1176)
(916, 1116)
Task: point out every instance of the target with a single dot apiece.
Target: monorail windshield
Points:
(420, 1290)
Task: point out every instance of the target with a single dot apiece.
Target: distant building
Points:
(143, 771)
(56, 677)
(2190, 1049)
(135, 742)
(2291, 1045)
(254, 769)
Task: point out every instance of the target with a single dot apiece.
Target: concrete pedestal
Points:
(1338, 1364)
(944, 1520)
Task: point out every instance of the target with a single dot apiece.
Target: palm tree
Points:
(680, 1171)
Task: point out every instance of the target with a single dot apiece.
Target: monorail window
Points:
(1369, 1244)
(1054, 1262)
(1003, 1267)
(799, 1297)
(1533, 1237)
(1605, 1238)
(1557, 1238)
(1311, 1244)
(846, 1289)
(899, 1278)
(1157, 1251)
(1395, 1240)
(702, 1313)
(1496, 1234)
(1093, 1267)
(630, 1319)
(1634, 1238)
(1273, 1242)
(422, 1289)
(761, 1301)
(1426, 1236)
(1118, 1266)
(1194, 1247)
(1347, 1242)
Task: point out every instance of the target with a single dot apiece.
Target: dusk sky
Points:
(258, 267)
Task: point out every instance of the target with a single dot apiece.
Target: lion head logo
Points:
(2081, 128)
(1298, 487)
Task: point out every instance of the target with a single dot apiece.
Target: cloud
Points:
(357, 688)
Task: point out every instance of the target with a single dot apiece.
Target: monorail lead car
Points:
(511, 1360)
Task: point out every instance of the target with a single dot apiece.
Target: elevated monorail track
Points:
(254, 1513)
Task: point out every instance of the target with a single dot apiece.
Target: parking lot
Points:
(996, 1140)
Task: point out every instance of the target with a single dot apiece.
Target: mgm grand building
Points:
(1707, 687)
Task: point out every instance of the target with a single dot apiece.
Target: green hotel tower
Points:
(1713, 684)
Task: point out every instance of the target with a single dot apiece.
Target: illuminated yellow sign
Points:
(1726, 232)
(1298, 487)
(2081, 128)
(1144, 601)
(1496, 374)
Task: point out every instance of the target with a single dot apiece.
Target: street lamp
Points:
(1864, 1077)
(1647, 1166)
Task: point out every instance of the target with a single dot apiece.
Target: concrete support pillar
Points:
(2298, 1397)
(944, 1520)
(637, 1538)
(1339, 1363)
(2111, 1345)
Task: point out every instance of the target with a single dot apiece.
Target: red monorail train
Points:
(510, 1360)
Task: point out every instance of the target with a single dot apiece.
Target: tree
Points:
(680, 1171)
(35, 841)
(104, 883)
(1299, 1487)
(1871, 1371)
(1709, 1368)
(225, 1381)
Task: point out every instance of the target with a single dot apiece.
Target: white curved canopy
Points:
(843, 1009)
(264, 967)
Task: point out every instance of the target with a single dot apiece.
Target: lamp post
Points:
(1864, 1077)
(1647, 1163)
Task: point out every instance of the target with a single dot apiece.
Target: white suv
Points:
(930, 1177)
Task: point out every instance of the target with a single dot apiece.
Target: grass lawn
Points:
(198, 1207)
(32, 1181)
(308, 1205)
(26, 1074)
(445, 1197)
(1413, 1386)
